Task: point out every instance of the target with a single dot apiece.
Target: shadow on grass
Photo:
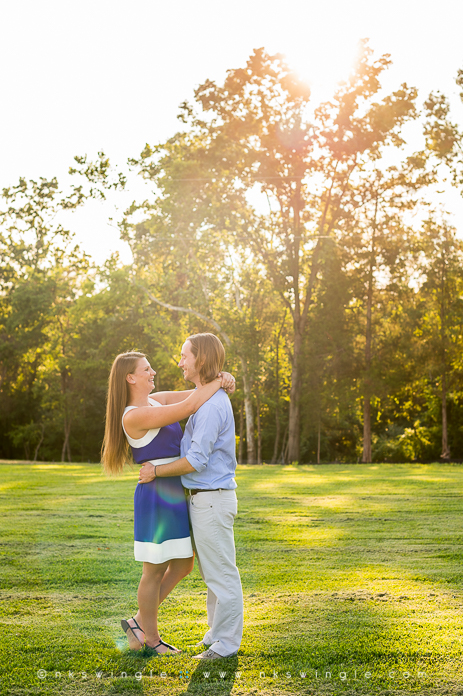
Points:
(213, 677)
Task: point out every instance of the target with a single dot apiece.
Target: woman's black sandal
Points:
(151, 651)
(126, 626)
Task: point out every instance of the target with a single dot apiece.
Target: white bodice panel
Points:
(148, 437)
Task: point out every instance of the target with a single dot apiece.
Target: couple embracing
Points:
(185, 480)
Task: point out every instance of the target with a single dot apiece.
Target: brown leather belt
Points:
(193, 491)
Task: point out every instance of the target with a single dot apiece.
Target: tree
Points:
(32, 245)
(185, 257)
(255, 132)
(378, 245)
(441, 313)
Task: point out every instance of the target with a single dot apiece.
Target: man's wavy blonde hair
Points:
(209, 355)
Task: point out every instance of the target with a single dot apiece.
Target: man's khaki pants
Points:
(212, 514)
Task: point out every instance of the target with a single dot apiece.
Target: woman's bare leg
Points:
(148, 603)
(151, 587)
(177, 570)
(148, 600)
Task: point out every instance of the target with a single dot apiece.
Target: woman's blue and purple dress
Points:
(161, 524)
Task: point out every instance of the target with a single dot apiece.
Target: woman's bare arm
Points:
(139, 420)
(174, 397)
(171, 397)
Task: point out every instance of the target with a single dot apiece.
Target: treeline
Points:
(312, 240)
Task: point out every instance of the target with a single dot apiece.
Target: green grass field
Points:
(352, 579)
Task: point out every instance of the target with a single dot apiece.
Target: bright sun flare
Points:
(323, 67)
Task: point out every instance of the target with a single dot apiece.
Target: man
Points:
(207, 467)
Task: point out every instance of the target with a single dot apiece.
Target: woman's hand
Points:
(228, 382)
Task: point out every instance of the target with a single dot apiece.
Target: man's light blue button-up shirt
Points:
(209, 445)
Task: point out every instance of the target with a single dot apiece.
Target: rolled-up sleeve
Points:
(207, 425)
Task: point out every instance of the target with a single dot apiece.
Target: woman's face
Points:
(143, 376)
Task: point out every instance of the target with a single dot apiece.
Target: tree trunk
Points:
(366, 457)
(67, 432)
(284, 447)
(300, 314)
(259, 434)
(319, 440)
(39, 443)
(249, 411)
(277, 394)
(294, 402)
(67, 420)
(240, 446)
(445, 446)
(277, 435)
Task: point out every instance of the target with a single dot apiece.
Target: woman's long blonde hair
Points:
(115, 448)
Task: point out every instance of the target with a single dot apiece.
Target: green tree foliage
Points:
(34, 253)
(293, 230)
(255, 132)
(440, 323)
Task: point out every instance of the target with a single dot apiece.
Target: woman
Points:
(162, 537)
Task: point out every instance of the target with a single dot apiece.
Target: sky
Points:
(79, 77)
